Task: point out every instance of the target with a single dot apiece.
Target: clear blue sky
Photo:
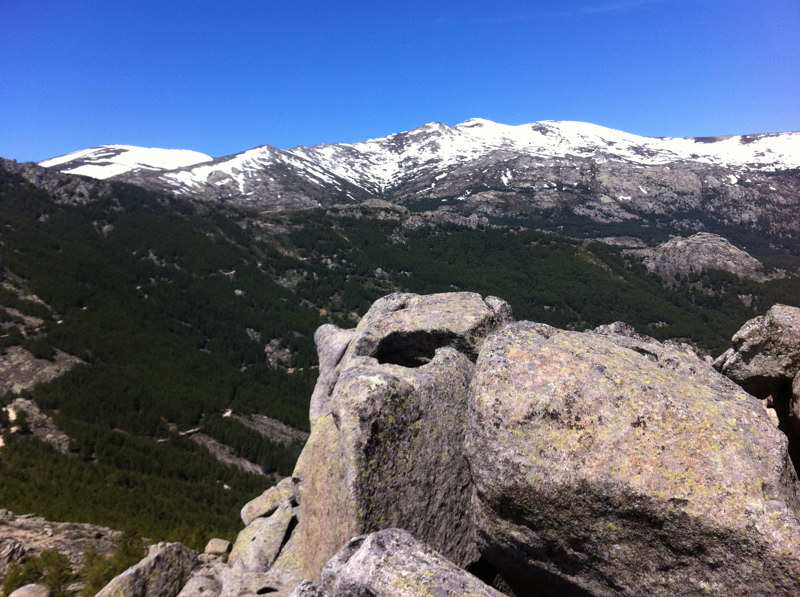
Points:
(221, 77)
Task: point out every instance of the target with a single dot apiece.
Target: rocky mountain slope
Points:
(500, 171)
(455, 451)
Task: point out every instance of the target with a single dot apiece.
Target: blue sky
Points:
(221, 77)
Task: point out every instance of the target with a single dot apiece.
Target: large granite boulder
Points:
(612, 464)
(765, 361)
(766, 352)
(387, 424)
(265, 504)
(259, 543)
(162, 573)
(391, 563)
(31, 590)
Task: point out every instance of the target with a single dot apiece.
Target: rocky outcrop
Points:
(20, 370)
(161, 574)
(765, 361)
(32, 590)
(259, 543)
(217, 547)
(387, 392)
(699, 253)
(24, 536)
(550, 462)
(285, 491)
(765, 356)
(621, 465)
(66, 189)
(24, 412)
(12, 552)
(391, 563)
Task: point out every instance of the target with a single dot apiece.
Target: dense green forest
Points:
(170, 306)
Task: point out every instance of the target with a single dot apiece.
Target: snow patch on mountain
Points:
(112, 160)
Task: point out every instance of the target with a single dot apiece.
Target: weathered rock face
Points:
(766, 352)
(391, 563)
(609, 464)
(259, 543)
(161, 574)
(20, 370)
(40, 425)
(26, 536)
(285, 491)
(698, 253)
(31, 591)
(765, 361)
(388, 417)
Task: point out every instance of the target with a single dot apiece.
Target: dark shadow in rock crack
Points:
(412, 349)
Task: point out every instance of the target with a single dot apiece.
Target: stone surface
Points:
(40, 425)
(387, 423)
(27, 535)
(201, 586)
(766, 352)
(765, 361)
(217, 546)
(268, 502)
(241, 583)
(162, 573)
(32, 590)
(617, 465)
(259, 543)
(12, 551)
(20, 370)
(391, 563)
(331, 343)
(309, 589)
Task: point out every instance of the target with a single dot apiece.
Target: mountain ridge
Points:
(508, 135)
(498, 171)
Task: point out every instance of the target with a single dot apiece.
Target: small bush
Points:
(49, 568)
(97, 570)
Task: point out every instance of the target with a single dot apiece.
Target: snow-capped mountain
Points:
(380, 164)
(113, 160)
(492, 169)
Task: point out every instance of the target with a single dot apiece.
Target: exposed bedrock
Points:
(391, 563)
(387, 422)
(607, 464)
(765, 361)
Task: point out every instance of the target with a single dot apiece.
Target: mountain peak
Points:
(105, 161)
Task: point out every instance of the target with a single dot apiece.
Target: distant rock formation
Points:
(20, 370)
(699, 253)
(445, 437)
(23, 536)
(24, 412)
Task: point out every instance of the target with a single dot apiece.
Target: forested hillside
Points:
(182, 313)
